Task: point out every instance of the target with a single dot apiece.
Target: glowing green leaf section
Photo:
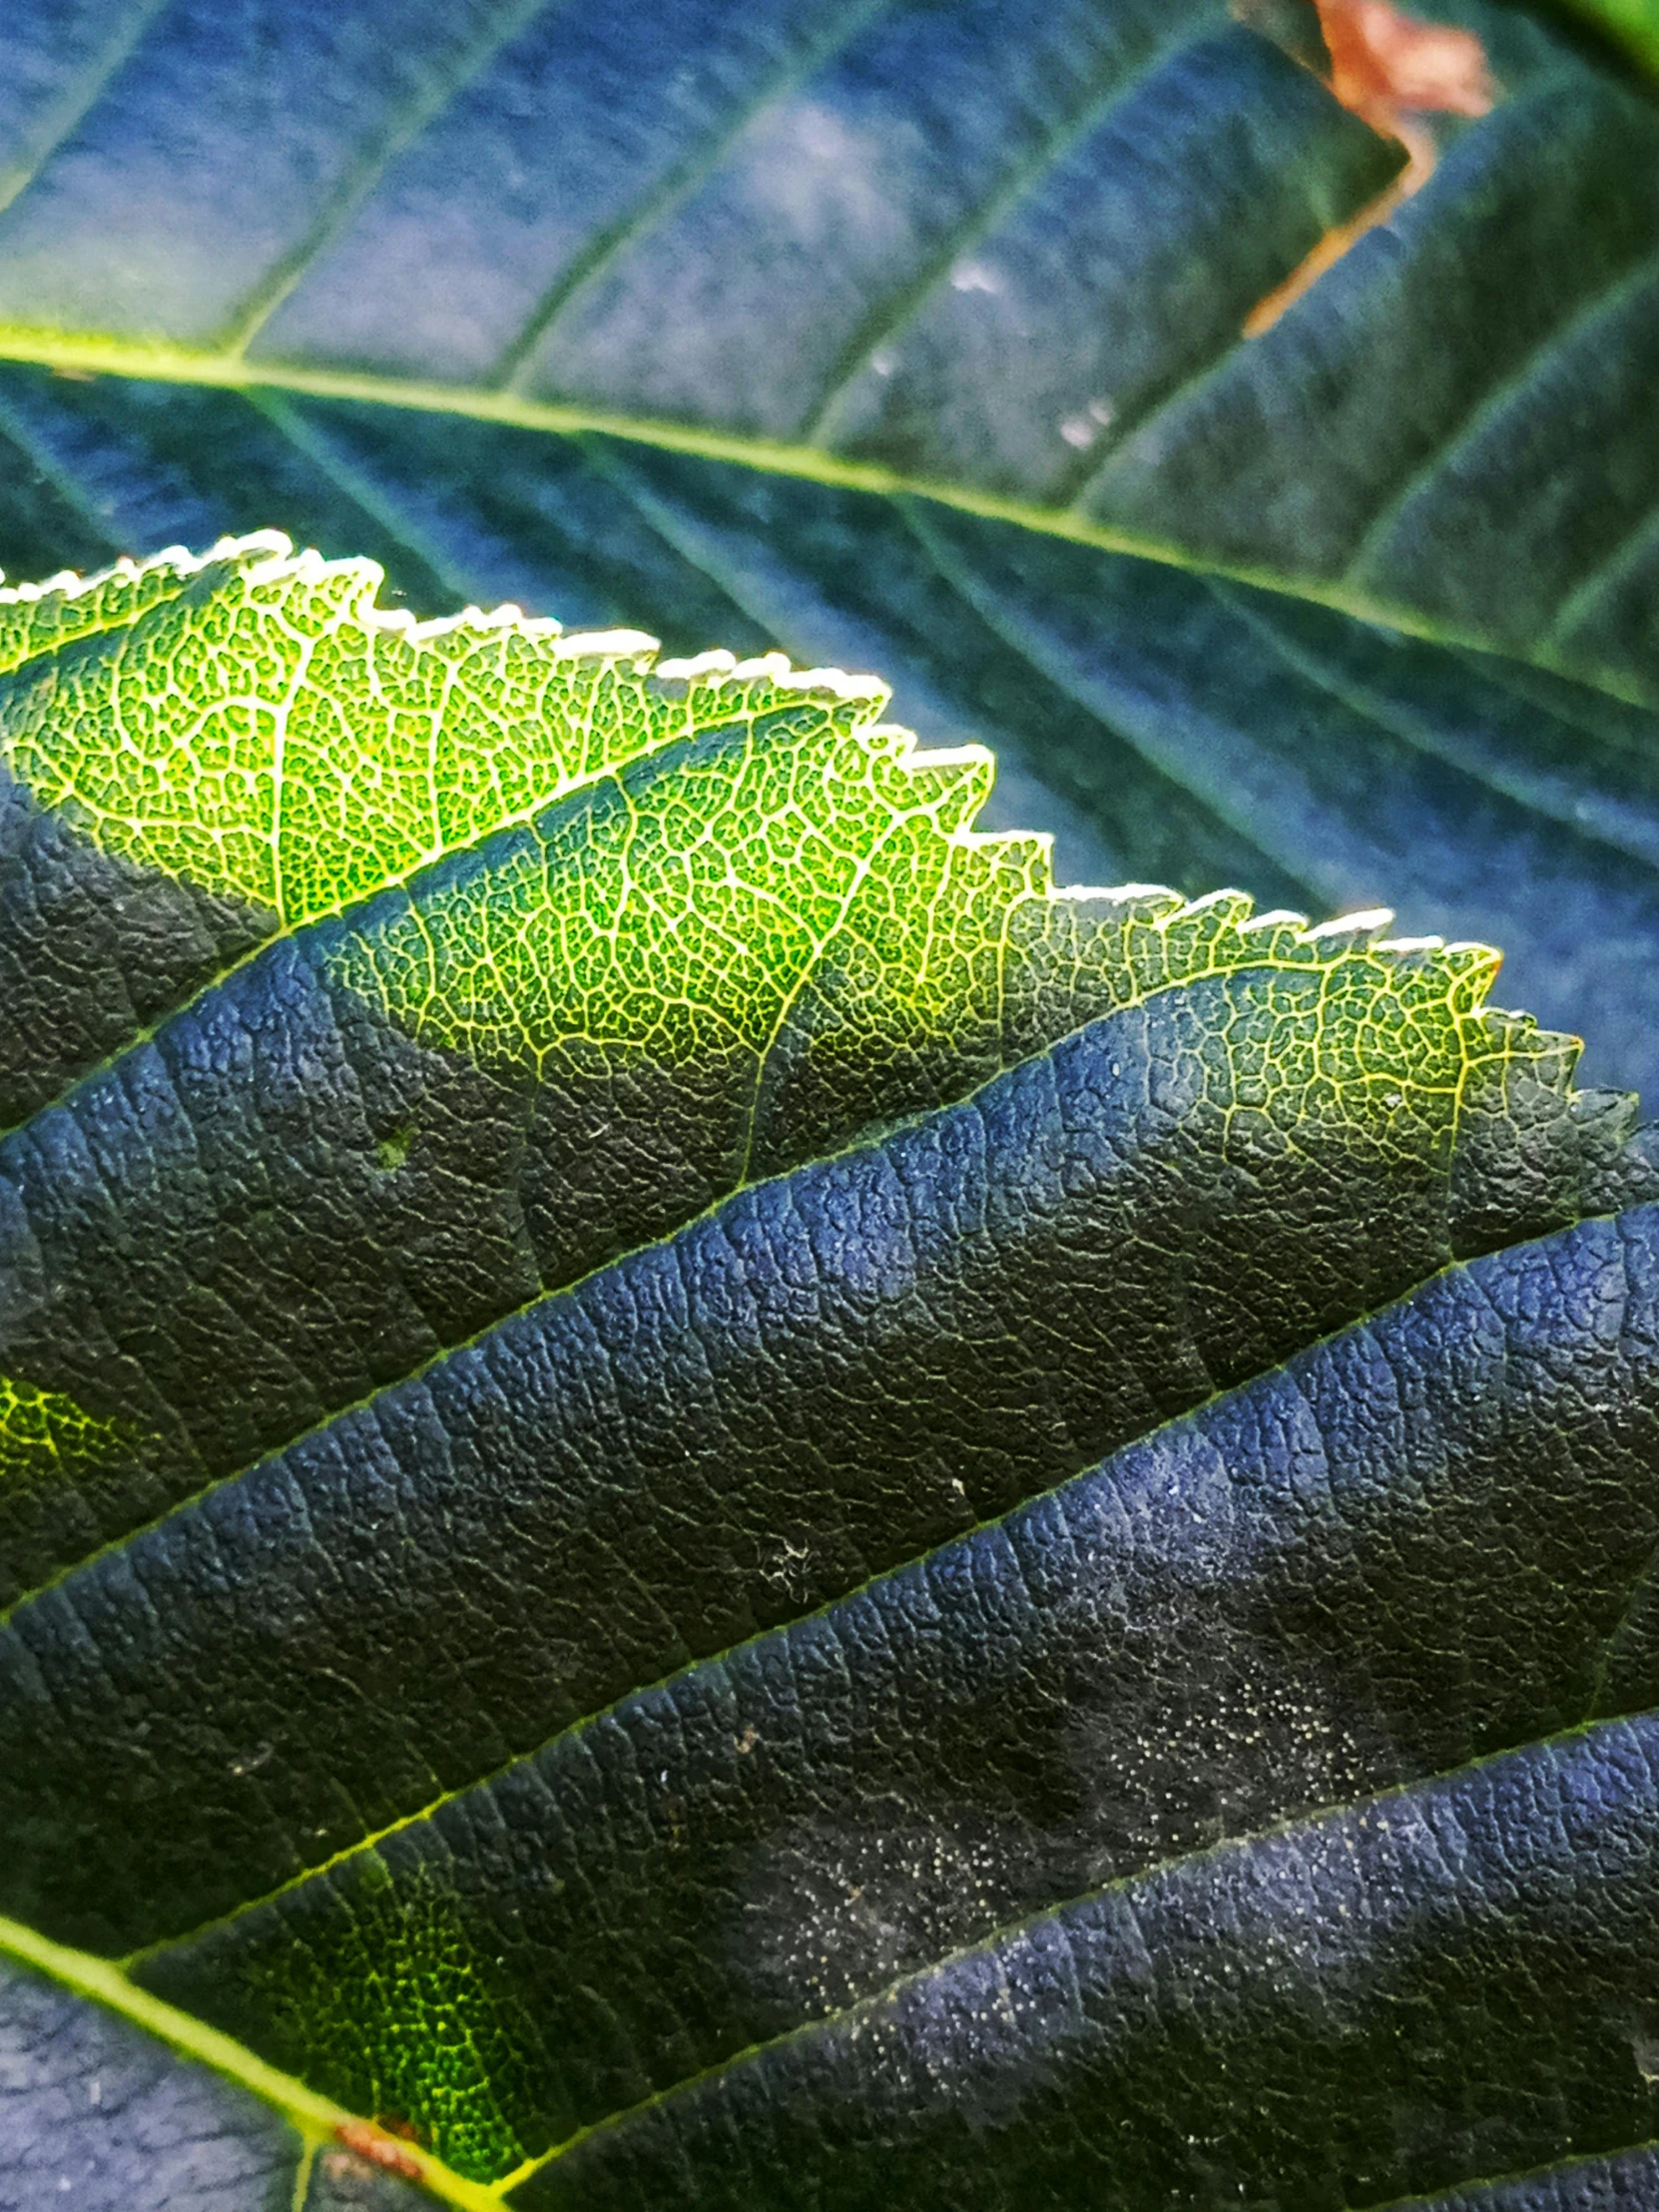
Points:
(691, 904)
(45, 1435)
(683, 902)
(658, 860)
(253, 722)
(412, 2006)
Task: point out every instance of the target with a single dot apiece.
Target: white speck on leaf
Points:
(975, 277)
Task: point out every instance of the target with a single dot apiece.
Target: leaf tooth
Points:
(69, 583)
(1346, 931)
(1227, 907)
(694, 668)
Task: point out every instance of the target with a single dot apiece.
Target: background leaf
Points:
(1633, 23)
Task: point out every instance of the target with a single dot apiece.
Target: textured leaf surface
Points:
(709, 1501)
(1030, 244)
(97, 2113)
(1345, 1927)
(663, 1502)
(1243, 1617)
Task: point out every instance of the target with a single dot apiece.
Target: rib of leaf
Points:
(1352, 1531)
(78, 99)
(73, 353)
(1173, 1875)
(315, 2118)
(1636, 541)
(1491, 2192)
(676, 184)
(310, 438)
(1510, 773)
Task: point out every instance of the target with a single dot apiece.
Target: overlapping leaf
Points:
(671, 1435)
(1029, 244)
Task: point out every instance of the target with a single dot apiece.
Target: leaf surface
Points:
(99, 2108)
(1238, 1619)
(677, 1409)
(668, 1440)
(1028, 252)
(1171, 729)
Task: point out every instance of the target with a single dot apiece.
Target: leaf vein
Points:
(78, 100)
(1103, 97)
(363, 175)
(1608, 300)
(673, 187)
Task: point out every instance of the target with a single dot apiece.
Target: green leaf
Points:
(987, 233)
(1245, 1616)
(664, 1421)
(675, 1413)
(1634, 24)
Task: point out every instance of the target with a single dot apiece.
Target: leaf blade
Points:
(1222, 1629)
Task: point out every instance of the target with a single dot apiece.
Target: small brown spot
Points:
(1392, 71)
(393, 2123)
(371, 2141)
